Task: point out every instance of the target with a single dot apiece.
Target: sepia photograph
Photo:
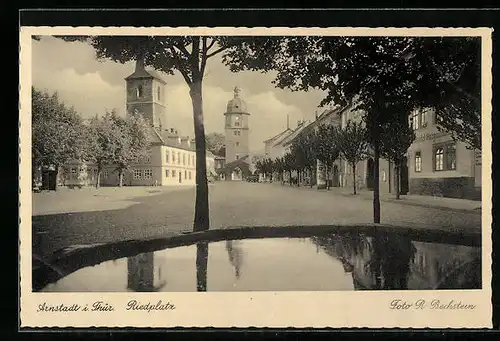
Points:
(244, 164)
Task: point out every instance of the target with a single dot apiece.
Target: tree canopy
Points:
(57, 131)
(442, 73)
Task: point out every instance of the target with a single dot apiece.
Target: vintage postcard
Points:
(255, 177)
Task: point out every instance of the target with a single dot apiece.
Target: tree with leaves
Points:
(132, 142)
(279, 165)
(398, 137)
(326, 147)
(187, 55)
(303, 149)
(58, 132)
(352, 144)
(215, 142)
(367, 72)
(289, 166)
(101, 143)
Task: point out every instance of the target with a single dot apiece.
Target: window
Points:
(445, 156)
(82, 169)
(73, 170)
(183, 159)
(139, 91)
(237, 124)
(237, 144)
(189, 175)
(173, 157)
(158, 93)
(147, 159)
(418, 162)
(439, 159)
(167, 154)
(137, 174)
(185, 175)
(235, 133)
(105, 174)
(148, 174)
(167, 173)
(178, 157)
(173, 173)
(418, 119)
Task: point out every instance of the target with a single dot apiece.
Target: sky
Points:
(93, 86)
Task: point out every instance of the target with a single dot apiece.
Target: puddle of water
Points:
(338, 262)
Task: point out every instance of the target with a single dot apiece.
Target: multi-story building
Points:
(172, 157)
(440, 166)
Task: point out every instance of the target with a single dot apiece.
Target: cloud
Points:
(93, 86)
(268, 115)
(88, 93)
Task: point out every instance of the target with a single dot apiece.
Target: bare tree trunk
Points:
(98, 180)
(311, 178)
(354, 177)
(201, 212)
(398, 172)
(376, 182)
(120, 178)
(327, 178)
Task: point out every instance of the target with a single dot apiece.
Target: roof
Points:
(141, 73)
(278, 135)
(288, 139)
(241, 163)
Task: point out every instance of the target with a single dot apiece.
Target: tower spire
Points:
(139, 64)
(236, 91)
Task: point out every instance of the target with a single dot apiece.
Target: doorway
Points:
(180, 177)
(49, 180)
(335, 176)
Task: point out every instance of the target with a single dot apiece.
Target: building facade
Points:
(172, 157)
(440, 166)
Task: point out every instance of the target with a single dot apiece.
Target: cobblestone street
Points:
(116, 214)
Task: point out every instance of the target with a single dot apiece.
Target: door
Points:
(180, 176)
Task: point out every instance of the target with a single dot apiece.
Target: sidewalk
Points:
(87, 199)
(452, 204)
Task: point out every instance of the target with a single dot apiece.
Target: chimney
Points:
(287, 121)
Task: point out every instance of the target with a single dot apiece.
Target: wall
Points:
(186, 166)
(458, 183)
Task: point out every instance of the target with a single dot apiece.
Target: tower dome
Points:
(236, 105)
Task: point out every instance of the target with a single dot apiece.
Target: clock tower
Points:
(236, 128)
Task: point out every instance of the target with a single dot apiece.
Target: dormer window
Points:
(139, 91)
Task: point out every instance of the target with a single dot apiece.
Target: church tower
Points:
(146, 95)
(236, 128)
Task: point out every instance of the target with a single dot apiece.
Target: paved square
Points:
(89, 216)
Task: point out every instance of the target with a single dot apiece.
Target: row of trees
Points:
(376, 74)
(329, 142)
(60, 135)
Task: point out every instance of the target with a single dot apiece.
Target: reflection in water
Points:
(392, 262)
(347, 261)
(142, 273)
(235, 254)
(201, 266)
